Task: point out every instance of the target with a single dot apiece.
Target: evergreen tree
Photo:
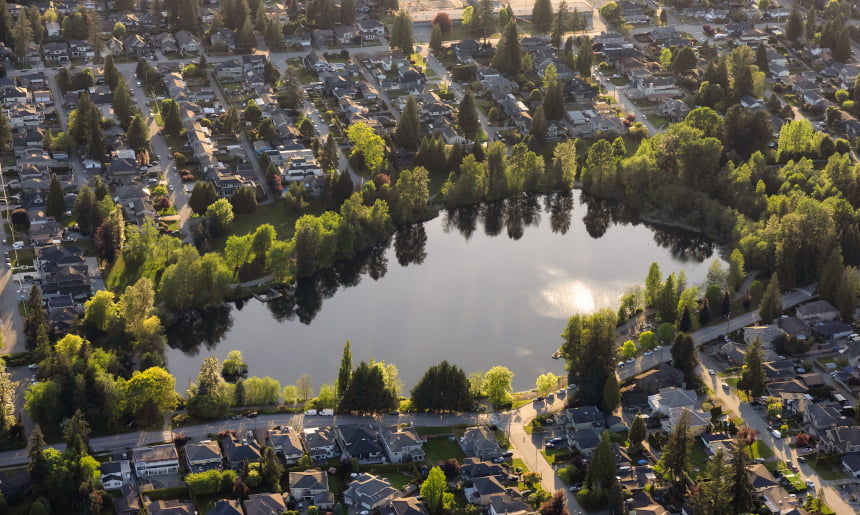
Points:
(345, 373)
(726, 308)
(173, 119)
(713, 496)
(246, 39)
(367, 392)
(202, 196)
(542, 15)
(485, 19)
(111, 73)
(704, 313)
(638, 431)
(560, 24)
(753, 378)
(584, 57)
(611, 394)
(685, 323)
(77, 436)
(436, 38)
(36, 317)
(467, 117)
(652, 285)
(138, 134)
(5, 133)
(842, 49)
(5, 22)
(684, 358)
(601, 470)
(675, 460)
(408, 127)
(478, 151)
(771, 301)
(22, 35)
(328, 158)
(347, 12)
(55, 204)
(553, 101)
(38, 465)
(538, 126)
(239, 393)
(761, 58)
(742, 494)
(401, 34)
(794, 26)
(846, 295)
(508, 57)
(123, 106)
(443, 387)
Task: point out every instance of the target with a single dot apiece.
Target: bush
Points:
(591, 499)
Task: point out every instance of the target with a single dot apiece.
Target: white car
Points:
(658, 348)
(648, 353)
(712, 372)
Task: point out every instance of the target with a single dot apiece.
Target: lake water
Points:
(478, 288)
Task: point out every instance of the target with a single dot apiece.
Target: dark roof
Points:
(226, 507)
(852, 461)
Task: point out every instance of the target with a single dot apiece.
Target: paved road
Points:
(710, 333)
(754, 419)
(527, 447)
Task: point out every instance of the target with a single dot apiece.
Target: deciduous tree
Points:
(498, 385)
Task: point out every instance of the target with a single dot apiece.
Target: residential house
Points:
(507, 504)
(52, 28)
(368, 492)
(128, 502)
(816, 311)
(24, 115)
(155, 460)
(264, 504)
(187, 43)
(641, 503)
(832, 330)
(120, 169)
(402, 445)
(699, 421)
(345, 35)
(63, 269)
(370, 29)
(311, 488)
(668, 398)
(851, 463)
(674, 110)
(480, 442)
(239, 451)
(819, 417)
(473, 467)
(847, 76)
(135, 45)
(165, 42)
(253, 63)
(169, 507)
(114, 46)
(793, 326)
(782, 368)
(80, 49)
(226, 507)
(840, 440)
(718, 441)
(115, 474)
(765, 334)
(403, 506)
(56, 52)
(586, 440)
(322, 37)
(361, 442)
(300, 164)
(202, 456)
(465, 50)
(562, 70)
(585, 417)
(229, 70)
(43, 96)
(321, 443)
(286, 441)
(483, 488)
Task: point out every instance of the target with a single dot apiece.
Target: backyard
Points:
(442, 449)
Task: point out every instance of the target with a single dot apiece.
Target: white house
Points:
(156, 460)
(114, 474)
(667, 398)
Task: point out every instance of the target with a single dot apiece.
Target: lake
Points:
(477, 287)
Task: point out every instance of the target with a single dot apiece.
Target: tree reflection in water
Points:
(303, 298)
(206, 327)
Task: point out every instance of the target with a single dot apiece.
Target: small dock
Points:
(556, 354)
(269, 295)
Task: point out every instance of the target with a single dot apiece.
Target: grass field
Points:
(442, 449)
(759, 449)
(827, 468)
(398, 479)
(519, 463)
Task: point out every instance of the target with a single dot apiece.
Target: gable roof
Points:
(264, 504)
(309, 480)
(488, 485)
(226, 507)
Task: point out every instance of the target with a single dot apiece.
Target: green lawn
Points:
(813, 505)
(398, 479)
(828, 468)
(759, 449)
(275, 213)
(442, 449)
(519, 463)
(698, 457)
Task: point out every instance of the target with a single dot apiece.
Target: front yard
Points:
(442, 449)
